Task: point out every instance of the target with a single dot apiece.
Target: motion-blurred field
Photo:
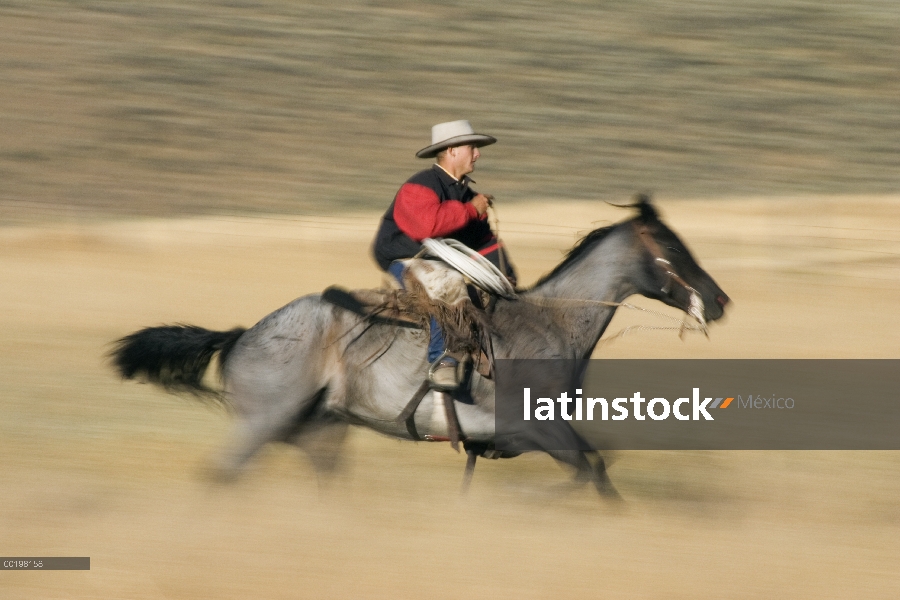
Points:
(93, 466)
(206, 162)
(192, 106)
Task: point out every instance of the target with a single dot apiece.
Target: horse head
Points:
(671, 274)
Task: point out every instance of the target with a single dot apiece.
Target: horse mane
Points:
(646, 213)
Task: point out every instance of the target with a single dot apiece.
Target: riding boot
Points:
(443, 374)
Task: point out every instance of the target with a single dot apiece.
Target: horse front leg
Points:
(585, 471)
(601, 479)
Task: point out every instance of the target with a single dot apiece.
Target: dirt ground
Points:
(92, 466)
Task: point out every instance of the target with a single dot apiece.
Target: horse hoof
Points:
(610, 493)
(218, 474)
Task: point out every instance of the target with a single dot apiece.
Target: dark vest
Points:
(392, 244)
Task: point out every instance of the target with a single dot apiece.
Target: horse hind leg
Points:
(277, 378)
(273, 422)
(322, 438)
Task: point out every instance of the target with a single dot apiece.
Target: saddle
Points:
(432, 290)
(466, 329)
(466, 326)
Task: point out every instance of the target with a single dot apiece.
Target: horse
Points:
(307, 371)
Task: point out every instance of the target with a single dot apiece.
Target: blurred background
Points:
(278, 105)
(207, 162)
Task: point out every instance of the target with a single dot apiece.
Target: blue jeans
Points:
(436, 344)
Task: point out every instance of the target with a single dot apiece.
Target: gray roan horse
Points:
(309, 369)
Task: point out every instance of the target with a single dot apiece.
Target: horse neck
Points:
(584, 294)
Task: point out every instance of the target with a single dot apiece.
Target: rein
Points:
(682, 327)
(694, 310)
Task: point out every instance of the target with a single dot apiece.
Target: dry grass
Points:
(185, 106)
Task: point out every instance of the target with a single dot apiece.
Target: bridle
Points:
(695, 307)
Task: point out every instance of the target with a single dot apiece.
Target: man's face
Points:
(464, 158)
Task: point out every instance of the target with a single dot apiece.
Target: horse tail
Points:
(174, 357)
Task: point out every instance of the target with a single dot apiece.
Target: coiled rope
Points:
(471, 264)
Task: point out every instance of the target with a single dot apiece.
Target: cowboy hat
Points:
(453, 133)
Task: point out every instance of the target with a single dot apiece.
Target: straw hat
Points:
(453, 133)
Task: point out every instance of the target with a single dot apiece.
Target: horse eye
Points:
(673, 249)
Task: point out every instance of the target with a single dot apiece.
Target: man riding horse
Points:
(440, 203)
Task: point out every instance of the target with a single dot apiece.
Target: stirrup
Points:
(445, 386)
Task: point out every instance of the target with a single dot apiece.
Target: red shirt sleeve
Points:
(420, 214)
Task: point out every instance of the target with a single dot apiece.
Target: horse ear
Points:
(643, 203)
